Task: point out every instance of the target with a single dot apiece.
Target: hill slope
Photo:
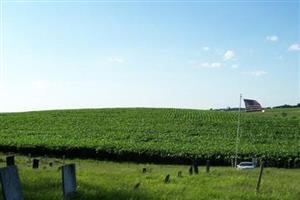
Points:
(178, 133)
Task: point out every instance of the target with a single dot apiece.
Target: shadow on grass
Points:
(41, 188)
(90, 192)
(51, 189)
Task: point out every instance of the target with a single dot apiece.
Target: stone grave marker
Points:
(10, 160)
(35, 163)
(68, 179)
(191, 170)
(11, 186)
(207, 166)
(179, 174)
(144, 170)
(137, 185)
(167, 179)
(195, 164)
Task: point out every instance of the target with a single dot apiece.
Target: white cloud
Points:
(205, 65)
(115, 60)
(229, 55)
(294, 47)
(216, 65)
(205, 48)
(256, 73)
(208, 65)
(272, 38)
(234, 66)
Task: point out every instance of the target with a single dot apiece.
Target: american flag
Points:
(252, 105)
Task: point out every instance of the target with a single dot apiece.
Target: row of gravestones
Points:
(193, 169)
(11, 185)
(10, 161)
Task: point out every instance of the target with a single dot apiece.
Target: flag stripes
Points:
(252, 105)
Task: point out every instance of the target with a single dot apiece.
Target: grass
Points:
(110, 180)
(179, 133)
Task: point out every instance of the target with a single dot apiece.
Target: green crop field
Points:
(111, 180)
(165, 133)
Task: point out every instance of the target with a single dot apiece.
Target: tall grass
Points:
(110, 180)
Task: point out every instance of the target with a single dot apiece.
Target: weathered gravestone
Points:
(144, 170)
(179, 174)
(167, 179)
(195, 164)
(207, 166)
(137, 185)
(68, 179)
(10, 160)
(11, 186)
(191, 170)
(35, 163)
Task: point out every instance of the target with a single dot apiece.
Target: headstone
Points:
(167, 179)
(191, 170)
(137, 185)
(35, 163)
(68, 179)
(144, 170)
(207, 166)
(179, 174)
(10, 160)
(11, 186)
(196, 167)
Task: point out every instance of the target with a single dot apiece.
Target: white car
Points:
(246, 165)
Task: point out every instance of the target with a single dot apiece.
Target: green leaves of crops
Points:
(164, 132)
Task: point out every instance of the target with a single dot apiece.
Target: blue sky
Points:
(195, 54)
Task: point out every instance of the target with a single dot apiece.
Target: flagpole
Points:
(237, 132)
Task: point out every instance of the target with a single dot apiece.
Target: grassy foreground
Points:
(179, 133)
(109, 180)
